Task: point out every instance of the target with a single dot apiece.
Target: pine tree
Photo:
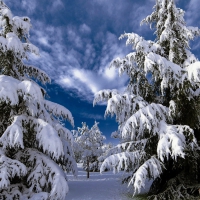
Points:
(88, 144)
(158, 114)
(35, 148)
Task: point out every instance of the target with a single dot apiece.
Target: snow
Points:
(163, 63)
(140, 44)
(145, 119)
(121, 105)
(194, 72)
(30, 91)
(54, 175)
(152, 168)
(121, 161)
(11, 87)
(22, 22)
(13, 135)
(14, 43)
(10, 168)
(59, 110)
(8, 89)
(45, 135)
(106, 186)
(6, 12)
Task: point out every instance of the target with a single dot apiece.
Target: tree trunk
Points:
(88, 168)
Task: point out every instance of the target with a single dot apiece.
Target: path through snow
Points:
(106, 186)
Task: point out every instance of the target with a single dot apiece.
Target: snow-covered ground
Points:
(106, 186)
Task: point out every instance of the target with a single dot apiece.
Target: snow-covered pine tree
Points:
(35, 148)
(158, 114)
(89, 143)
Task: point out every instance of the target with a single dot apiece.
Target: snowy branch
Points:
(59, 111)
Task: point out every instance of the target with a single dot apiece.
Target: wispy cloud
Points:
(85, 29)
(192, 13)
(77, 55)
(77, 66)
(29, 5)
(192, 17)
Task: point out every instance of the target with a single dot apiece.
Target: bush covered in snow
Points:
(158, 114)
(35, 149)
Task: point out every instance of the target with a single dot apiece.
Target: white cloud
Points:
(110, 73)
(29, 5)
(73, 36)
(57, 3)
(192, 12)
(88, 82)
(88, 78)
(78, 67)
(85, 29)
(44, 41)
(77, 59)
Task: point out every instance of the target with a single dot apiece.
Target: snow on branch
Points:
(31, 48)
(59, 111)
(8, 89)
(127, 146)
(3, 43)
(22, 23)
(104, 95)
(46, 135)
(145, 119)
(5, 11)
(127, 64)
(163, 69)
(133, 145)
(121, 105)
(65, 133)
(122, 161)
(195, 31)
(20, 27)
(48, 139)
(164, 64)
(140, 44)
(46, 175)
(17, 23)
(191, 58)
(11, 88)
(14, 43)
(124, 105)
(193, 71)
(9, 169)
(151, 169)
(30, 90)
(70, 164)
(36, 73)
(13, 135)
(172, 140)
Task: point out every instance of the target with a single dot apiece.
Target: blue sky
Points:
(77, 41)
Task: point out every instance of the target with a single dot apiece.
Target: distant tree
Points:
(88, 146)
(35, 149)
(159, 113)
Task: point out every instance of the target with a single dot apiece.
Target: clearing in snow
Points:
(105, 186)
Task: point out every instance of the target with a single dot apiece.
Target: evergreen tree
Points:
(88, 144)
(158, 114)
(35, 148)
